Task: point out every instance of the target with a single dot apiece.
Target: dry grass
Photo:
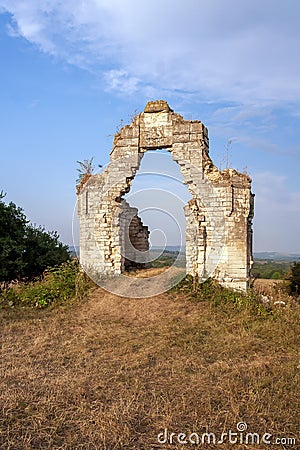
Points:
(275, 290)
(114, 372)
(267, 286)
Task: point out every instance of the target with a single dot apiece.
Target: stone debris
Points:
(218, 217)
(265, 299)
(280, 302)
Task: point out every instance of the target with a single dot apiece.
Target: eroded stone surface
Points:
(218, 218)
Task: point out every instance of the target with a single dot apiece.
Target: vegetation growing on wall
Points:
(85, 170)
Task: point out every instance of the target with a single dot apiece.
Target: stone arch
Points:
(219, 215)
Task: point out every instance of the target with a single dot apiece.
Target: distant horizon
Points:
(255, 253)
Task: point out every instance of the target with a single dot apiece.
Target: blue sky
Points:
(72, 71)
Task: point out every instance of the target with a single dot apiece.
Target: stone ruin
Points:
(218, 217)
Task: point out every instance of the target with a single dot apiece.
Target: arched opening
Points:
(159, 196)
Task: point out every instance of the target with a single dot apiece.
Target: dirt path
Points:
(144, 283)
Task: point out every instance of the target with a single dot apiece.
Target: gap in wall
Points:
(159, 194)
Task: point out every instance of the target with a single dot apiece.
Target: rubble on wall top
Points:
(157, 106)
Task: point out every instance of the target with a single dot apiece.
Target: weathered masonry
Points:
(218, 217)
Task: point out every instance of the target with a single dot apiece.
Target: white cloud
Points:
(277, 213)
(255, 127)
(233, 115)
(120, 80)
(221, 49)
(11, 31)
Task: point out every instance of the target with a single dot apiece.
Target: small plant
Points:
(86, 167)
(120, 126)
(132, 115)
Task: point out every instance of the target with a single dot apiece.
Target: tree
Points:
(294, 279)
(42, 250)
(276, 275)
(13, 225)
(25, 251)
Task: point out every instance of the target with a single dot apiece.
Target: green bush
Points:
(58, 286)
(221, 297)
(276, 276)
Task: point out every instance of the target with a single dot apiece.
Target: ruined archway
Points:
(159, 194)
(218, 217)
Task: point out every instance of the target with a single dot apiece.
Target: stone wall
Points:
(134, 239)
(219, 216)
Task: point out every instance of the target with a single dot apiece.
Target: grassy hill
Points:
(114, 372)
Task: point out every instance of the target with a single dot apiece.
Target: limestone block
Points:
(196, 127)
(127, 142)
(129, 132)
(181, 128)
(157, 106)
